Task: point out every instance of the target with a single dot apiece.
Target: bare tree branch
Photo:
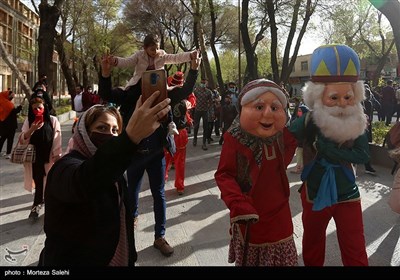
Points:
(5, 56)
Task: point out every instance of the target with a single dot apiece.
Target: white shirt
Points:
(78, 102)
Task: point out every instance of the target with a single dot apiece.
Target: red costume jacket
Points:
(258, 189)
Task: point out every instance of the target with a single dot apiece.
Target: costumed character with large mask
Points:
(252, 178)
(334, 138)
(182, 119)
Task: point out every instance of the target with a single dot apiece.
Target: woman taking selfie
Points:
(88, 221)
(44, 132)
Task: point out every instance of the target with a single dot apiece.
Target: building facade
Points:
(19, 27)
(300, 72)
(19, 30)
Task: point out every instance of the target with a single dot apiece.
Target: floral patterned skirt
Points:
(282, 253)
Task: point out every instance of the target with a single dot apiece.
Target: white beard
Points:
(340, 124)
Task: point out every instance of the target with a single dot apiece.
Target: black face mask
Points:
(99, 139)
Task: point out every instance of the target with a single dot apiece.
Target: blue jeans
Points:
(154, 164)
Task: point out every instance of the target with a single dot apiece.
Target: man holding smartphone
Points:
(150, 155)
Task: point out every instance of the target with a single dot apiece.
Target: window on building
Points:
(9, 35)
(3, 33)
(3, 17)
(304, 66)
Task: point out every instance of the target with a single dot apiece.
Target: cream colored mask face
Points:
(338, 94)
(264, 116)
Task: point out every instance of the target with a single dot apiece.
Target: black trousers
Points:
(197, 116)
(38, 174)
(9, 136)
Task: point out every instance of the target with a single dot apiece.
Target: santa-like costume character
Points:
(252, 178)
(333, 137)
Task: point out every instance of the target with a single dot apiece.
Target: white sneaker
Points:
(8, 156)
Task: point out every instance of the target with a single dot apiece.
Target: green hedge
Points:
(63, 108)
(379, 130)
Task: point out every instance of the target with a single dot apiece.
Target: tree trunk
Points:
(206, 68)
(381, 64)
(205, 61)
(274, 41)
(220, 80)
(197, 44)
(65, 67)
(85, 76)
(285, 61)
(286, 65)
(391, 9)
(73, 58)
(251, 68)
(5, 56)
(49, 16)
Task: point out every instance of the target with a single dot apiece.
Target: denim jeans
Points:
(154, 164)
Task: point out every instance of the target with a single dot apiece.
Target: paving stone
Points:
(198, 221)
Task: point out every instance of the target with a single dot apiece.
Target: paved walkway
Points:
(197, 222)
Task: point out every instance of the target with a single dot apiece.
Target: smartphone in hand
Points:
(153, 80)
(39, 119)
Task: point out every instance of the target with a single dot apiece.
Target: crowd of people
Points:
(89, 200)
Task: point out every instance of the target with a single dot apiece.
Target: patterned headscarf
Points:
(82, 142)
(254, 143)
(249, 93)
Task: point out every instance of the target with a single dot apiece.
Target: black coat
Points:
(82, 218)
(128, 98)
(10, 124)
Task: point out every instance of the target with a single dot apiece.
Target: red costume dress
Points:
(253, 182)
(182, 119)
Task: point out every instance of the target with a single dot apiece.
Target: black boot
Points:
(34, 215)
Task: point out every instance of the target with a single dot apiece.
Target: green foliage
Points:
(264, 61)
(354, 23)
(62, 105)
(381, 82)
(62, 102)
(63, 109)
(379, 131)
(229, 66)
